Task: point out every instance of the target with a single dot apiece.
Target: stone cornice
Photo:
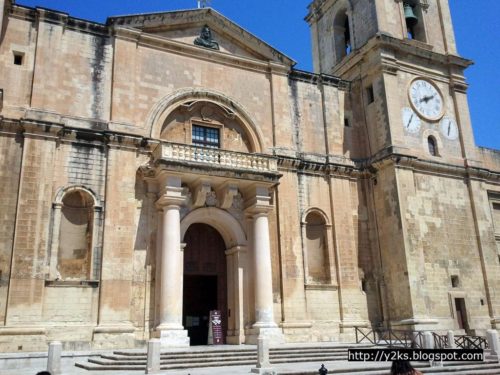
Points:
(64, 133)
(367, 168)
(59, 18)
(316, 79)
(391, 48)
(169, 45)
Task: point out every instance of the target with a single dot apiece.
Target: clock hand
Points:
(449, 127)
(409, 121)
(427, 98)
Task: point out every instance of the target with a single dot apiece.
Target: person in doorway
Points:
(403, 368)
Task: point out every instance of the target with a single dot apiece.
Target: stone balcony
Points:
(201, 160)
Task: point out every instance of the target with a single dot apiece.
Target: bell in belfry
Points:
(411, 18)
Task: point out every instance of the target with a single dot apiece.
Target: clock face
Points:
(449, 128)
(411, 121)
(426, 99)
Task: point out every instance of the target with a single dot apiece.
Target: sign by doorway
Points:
(215, 334)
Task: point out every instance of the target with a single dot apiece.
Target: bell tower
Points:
(407, 81)
(340, 27)
(408, 100)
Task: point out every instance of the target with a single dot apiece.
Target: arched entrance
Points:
(205, 280)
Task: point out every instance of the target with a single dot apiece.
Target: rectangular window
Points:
(18, 58)
(496, 217)
(205, 136)
(369, 94)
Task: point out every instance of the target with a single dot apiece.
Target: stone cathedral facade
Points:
(160, 166)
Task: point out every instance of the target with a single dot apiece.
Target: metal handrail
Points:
(415, 339)
(471, 342)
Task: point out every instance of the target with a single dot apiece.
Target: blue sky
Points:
(280, 23)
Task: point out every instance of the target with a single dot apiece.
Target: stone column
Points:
(264, 324)
(170, 329)
(264, 312)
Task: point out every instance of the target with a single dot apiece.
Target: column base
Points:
(273, 334)
(171, 337)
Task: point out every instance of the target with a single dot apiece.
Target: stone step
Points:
(106, 360)
(184, 356)
(185, 352)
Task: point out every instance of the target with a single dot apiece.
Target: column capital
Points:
(258, 210)
(167, 200)
(258, 200)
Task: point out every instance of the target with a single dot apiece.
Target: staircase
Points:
(221, 357)
(246, 355)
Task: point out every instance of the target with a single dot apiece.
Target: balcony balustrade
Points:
(215, 157)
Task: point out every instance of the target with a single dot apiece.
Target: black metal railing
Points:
(389, 337)
(414, 339)
(440, 341)
(471, 342)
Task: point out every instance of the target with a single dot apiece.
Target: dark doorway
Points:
(205, 286)
(461, 313)
(200, 296)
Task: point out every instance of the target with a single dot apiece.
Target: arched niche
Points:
(317, 247)
(72, 251)
(173, 116)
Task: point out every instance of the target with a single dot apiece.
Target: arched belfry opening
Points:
(342, 34)
(205, 281)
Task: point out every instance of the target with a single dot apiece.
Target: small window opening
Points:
(455, 281)
(370, 94)
(482, 302)
(18, 58)
(347, 124)
(363, 285)
(431, 142)
(205, 136)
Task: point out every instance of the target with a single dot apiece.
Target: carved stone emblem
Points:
(238, 202)
(205, 39)
(212, 200)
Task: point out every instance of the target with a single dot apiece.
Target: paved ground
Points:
(294, 367)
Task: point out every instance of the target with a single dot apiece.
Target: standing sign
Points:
(215, 336)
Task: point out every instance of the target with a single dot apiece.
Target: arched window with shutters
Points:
(317, 250)
(72, 255)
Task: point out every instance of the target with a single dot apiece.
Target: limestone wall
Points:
(393, 228)
(10, 161)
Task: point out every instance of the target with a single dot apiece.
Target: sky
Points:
(281, 24)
